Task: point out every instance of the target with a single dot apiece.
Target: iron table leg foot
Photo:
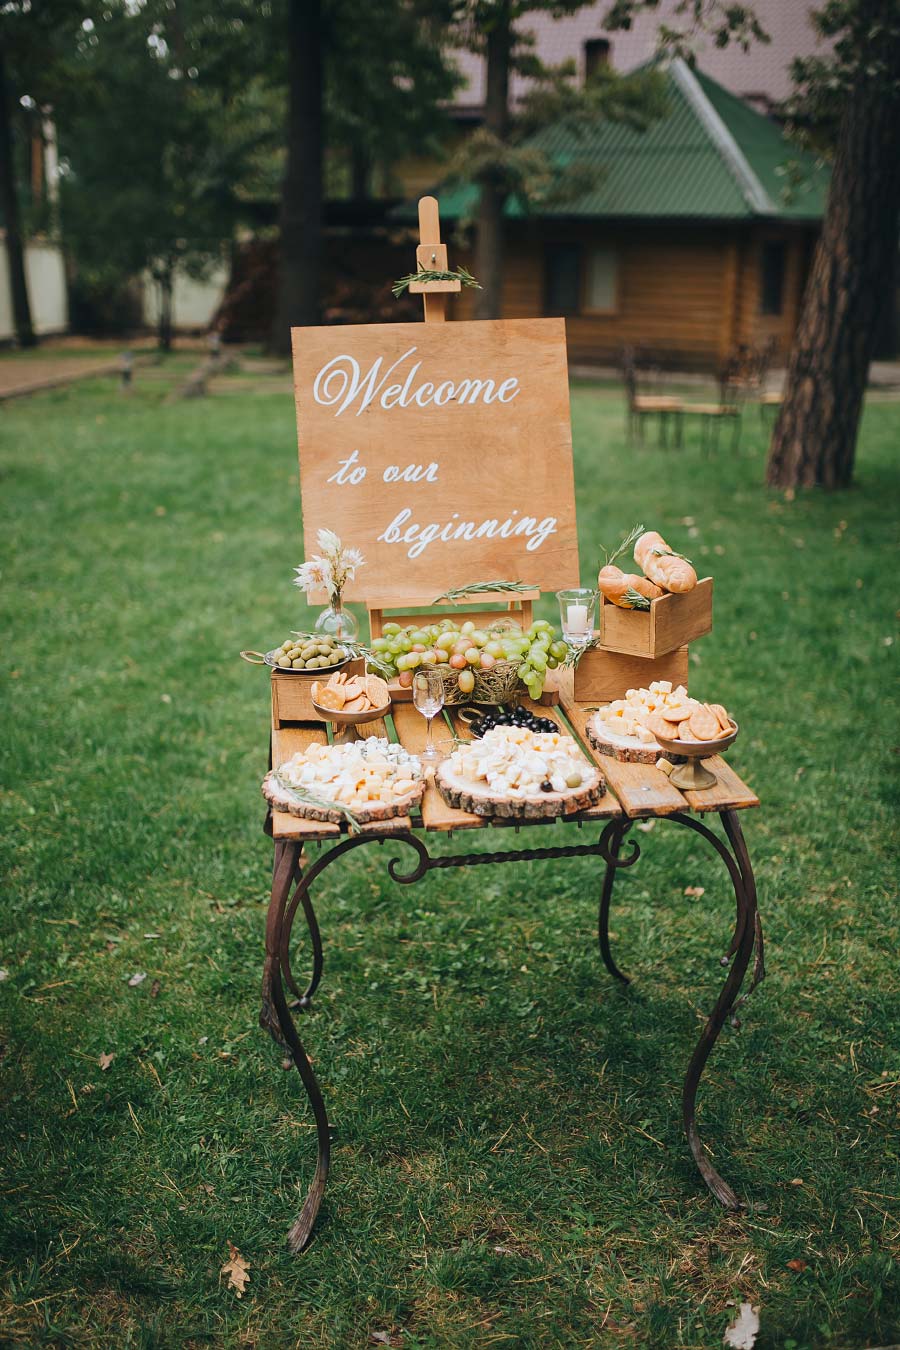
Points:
(747, 936)
(275, 1017)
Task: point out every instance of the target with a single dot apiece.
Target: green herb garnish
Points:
(669, 553)
(428, 274)
(635, 599)
(482, 587)
(631, 538)
(576, 651)
(308, 798)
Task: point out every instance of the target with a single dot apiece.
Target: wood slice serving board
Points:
(282, 799)
(626, 749)
(481, 800)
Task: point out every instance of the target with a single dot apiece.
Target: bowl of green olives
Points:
(302, 654)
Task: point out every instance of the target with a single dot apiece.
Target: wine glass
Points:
(428, 696)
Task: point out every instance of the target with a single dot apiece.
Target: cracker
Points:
(658, 726)
(377, 691)
(357, 705)
(677, 713)
(704, 724)
(331, 698)
(721, 714)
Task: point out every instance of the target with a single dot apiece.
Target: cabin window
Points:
(601, 267)
(562, 272)
(772, 267)
(596, 57)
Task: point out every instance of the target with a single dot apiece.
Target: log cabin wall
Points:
(762, 313)
(672, 290)
(687, 294)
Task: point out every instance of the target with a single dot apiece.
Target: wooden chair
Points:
(648, 405)
(727, 409)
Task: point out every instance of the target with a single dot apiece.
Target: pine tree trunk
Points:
(814, 441)
(9, 210)
(298, 297)
(489, 244)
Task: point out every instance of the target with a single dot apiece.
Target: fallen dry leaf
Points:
(155, 988)
(105, 1060)
(236, 1268)
(742, 1333)
(383, 1338)
(695, 890)
(796, 1264)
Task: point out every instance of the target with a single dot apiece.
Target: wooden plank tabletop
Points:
(436, 814)
(636, 790)
(645, 790)
(642, 789)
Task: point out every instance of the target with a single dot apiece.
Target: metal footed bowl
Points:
(694, 776)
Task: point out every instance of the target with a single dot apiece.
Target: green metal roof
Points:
(710, 157)
(768, 151)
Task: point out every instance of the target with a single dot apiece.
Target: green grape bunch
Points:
(466, 648)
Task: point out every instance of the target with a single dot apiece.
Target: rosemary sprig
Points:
(481, 587)
(324, 803)
(631, 538)
(669, 553)
(576, 651)
(635, 599)
(371, 658)
(428, 274)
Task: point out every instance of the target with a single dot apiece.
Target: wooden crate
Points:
(669, 623)
(601, 676)
(485, 609)
(292, 699)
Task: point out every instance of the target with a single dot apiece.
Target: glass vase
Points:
(337, 622)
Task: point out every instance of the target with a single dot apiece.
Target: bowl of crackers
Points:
(709, 730)
(349, 701)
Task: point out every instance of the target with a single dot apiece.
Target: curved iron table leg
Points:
(275, 1017)
(275, 1014)
(616, 831)
(745, 939)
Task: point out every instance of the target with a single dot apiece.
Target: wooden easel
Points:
(431, 255)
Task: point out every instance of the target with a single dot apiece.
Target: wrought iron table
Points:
(633, 791)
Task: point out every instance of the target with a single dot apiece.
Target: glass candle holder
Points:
(576, 615)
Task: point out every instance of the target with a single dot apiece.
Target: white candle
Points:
(576, 618)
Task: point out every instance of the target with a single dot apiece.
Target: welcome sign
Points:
(442, 451)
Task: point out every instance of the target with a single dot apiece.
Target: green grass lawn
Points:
(509, 1165)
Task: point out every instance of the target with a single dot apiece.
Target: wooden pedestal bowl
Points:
(693, 776)
(345, 723)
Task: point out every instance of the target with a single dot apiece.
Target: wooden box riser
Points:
(602, 676)
(671, 622)
(292, 694)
